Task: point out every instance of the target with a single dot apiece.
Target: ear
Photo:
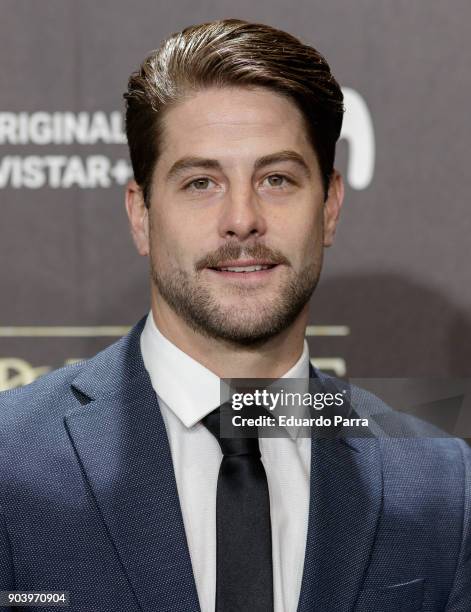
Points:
(138, 215)
(332, 207)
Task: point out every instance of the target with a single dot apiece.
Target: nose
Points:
(242, 215)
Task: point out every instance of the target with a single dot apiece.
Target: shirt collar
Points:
(188, 388)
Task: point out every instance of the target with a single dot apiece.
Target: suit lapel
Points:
(345, 504)
(121, 442)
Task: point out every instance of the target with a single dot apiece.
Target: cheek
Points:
(302, 237)
(173, 243)
(160, 240)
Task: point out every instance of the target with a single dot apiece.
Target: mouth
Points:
(244, 270)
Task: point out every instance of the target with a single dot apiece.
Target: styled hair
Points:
(230, 52)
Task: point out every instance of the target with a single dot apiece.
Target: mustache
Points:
(234, 251)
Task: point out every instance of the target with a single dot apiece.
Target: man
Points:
(116, 484)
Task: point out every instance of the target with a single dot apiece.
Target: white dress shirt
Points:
(187, 392)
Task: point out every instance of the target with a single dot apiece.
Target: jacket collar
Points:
(346, 496)
(121, 444)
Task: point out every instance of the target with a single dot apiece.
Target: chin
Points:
(253, 328)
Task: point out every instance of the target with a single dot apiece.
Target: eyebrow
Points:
(190, 163)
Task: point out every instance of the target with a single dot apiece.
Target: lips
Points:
(243, 273)
(243, 266)
(243, 270)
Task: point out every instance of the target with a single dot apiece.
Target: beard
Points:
(254, 320)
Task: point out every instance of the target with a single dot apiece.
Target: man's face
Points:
(237, 220)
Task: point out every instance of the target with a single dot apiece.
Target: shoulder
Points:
(411, 450)
(39, 398)
(35, 445)
(40, 405)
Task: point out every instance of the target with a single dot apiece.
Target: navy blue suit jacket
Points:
(89, 503)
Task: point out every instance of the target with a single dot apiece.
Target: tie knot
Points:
(234, 445)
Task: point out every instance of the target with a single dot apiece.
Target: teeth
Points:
(245, 269)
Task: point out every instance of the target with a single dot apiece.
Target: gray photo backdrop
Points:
(395, 295)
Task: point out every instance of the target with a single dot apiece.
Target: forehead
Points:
(232, 123)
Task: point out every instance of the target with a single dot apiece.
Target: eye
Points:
(199, 184)
(278, 180)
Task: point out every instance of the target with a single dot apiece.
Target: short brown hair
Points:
(231, 52)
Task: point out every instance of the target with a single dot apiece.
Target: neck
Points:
(270, 360)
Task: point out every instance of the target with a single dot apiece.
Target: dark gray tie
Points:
(244, 574)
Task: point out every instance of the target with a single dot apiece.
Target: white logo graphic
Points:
(357, 130)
